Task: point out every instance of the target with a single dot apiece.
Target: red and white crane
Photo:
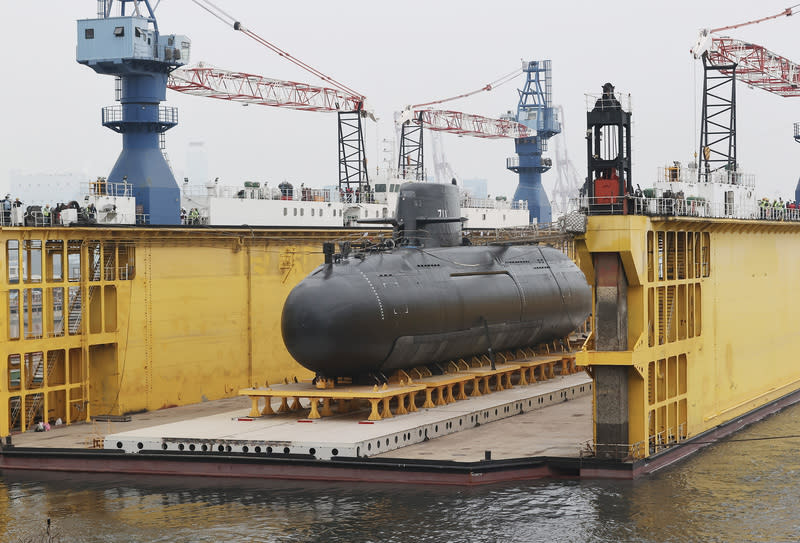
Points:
(755, 65)
(212, 82)
(416, 117)
(724, 60)
(208, 81)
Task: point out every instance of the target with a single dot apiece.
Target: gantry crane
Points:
(724, 59)
(535, 111)
(203, 80)
(131, 48)
(567, 184)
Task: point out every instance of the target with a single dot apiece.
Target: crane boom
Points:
(203, 80)
(787, 12)
(233, 22)
(756, 65)
(466, 124)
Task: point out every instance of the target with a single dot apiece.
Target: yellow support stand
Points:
(476, 387)
(314, 413)
(387, 413)
(428, 401)
(374, 403)
(401, 408)
(326, 408)
(508, 384)
(412, 401)
(254, 406)
(499, 382)
(462, 393)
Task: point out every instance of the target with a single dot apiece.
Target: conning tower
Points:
(608, 142)
(428, 215)
(535, 110)
(131, 48)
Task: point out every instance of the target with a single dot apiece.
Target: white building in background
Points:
(479, 188)
(47, 188)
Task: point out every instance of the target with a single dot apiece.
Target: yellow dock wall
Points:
(193, 316)
(710, 321)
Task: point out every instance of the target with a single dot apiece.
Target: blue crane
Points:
(131, 48)
(535, 110)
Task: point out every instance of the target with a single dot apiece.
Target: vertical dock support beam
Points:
(611, 382)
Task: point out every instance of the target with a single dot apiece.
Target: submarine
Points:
(426, 296)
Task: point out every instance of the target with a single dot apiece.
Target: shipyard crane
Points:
(412, 120)
(567, 185)
(442, 170)
(724, 58)
(533, 124)
(204, 80)
(131, 48)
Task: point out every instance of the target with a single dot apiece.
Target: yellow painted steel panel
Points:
(728, 306)
(196, 316)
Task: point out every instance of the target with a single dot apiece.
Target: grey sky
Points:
(397, 53)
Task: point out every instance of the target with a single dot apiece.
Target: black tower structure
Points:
(718, 124)
(353, 174)
(411, 165)
(608, 142)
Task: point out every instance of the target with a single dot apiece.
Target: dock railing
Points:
(681, 207)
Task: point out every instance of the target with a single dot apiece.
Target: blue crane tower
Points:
(131, 48)
(535, 110)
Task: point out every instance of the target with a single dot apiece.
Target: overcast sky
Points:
(398, 53)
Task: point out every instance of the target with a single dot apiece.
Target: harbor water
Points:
(745, 488)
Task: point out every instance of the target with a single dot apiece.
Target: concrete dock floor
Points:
(560, 427)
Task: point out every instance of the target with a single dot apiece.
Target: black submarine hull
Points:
(410, 306)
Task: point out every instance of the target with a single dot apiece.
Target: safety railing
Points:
(493, 203)
(115, 114)
(105, 188)
(683, 207)
(635, 451)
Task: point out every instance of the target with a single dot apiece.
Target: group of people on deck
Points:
(35, 215)
(778, 209)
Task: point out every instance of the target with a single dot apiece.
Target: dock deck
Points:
(531, 420)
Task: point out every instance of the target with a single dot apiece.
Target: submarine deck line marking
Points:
(375, 292)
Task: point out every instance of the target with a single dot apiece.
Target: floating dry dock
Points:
(222, 440)
(541, 430)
